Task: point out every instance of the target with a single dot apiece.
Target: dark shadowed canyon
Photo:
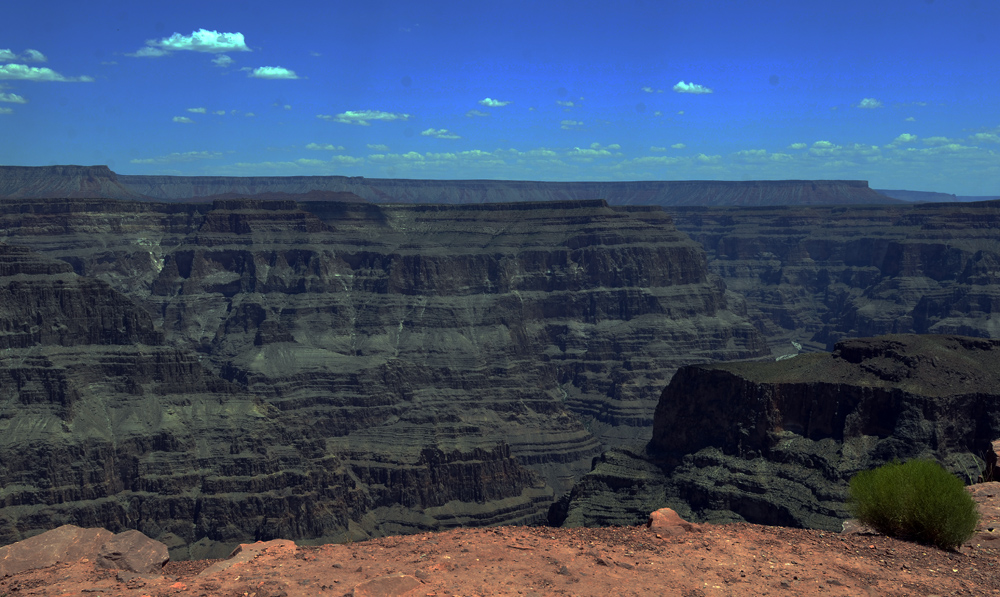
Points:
(374, 358)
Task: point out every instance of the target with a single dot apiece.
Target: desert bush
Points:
(918, 501)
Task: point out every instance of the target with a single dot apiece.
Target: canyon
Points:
(214, 373)
(334, 358)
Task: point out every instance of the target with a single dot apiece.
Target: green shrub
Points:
(918, 501)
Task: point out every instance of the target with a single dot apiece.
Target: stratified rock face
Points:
(777, 442)
(816, 275)
(345, 369)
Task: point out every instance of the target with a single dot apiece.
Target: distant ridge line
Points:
(101, 182)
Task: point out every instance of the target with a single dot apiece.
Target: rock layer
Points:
(332, 370)
(816, 275)
(777, 442)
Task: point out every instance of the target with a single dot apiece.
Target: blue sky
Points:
(903, 93)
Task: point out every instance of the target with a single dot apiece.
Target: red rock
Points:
(248, 551)
(666, 521)
(133, 551)
(66, 543)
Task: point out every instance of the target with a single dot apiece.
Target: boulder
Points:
(62, 544)
(134, 552)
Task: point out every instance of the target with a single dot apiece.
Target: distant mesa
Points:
(23, 182)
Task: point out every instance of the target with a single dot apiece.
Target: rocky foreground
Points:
(670, 557)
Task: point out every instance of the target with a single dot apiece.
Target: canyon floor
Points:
(732, 559)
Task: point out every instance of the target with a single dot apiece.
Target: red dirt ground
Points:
(731, 560)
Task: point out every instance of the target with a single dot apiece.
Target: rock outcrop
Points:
(777, 442)
(248, 370)
(813, 276)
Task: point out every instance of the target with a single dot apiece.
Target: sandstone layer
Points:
(777, 442)
(815, 275)
(215, 373)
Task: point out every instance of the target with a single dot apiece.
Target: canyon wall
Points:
(245, 370)
(818, 274)
(777, 442)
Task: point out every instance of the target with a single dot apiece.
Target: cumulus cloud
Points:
(32, 73)
(904, 138)
(378, 147)
(798, 146)
(174, 158)
(472, 113)
(910, 119)
(869, 103)
(148, 52)
(6, 110)
(568, 125)
(678, 146)
(439, 134)
(197, 110)
(29, 55)
(682, 87)
(12, 98)
(655, 148)
(363, 117)
(272, 72)
(595, 150)
(988, 137)
(222, 60)
(324, 147)
(936, 140)
(492, 103)
(201, 40)
(219, 112)
(183, 120)
(565, 104)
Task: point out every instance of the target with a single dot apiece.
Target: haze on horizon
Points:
(902, 93)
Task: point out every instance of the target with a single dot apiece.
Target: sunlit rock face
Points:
(322, 370)
(777, 442)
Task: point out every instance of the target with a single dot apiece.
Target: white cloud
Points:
(148, 52)
(655, 148)
(823, 145)
(29, 55)
(565, 104)
(678, 146)
(797, 146)
(219, 112)
(222, 60)
(363, 117)
(472, 113)
(6, 110)
(201, 40)
(936, 140)
(175, 158)
(869, 103)
(570, 124)
(287, 107)
(591, 152)
(988, 137)
(680, 113)
(658, 113)
(32, 73)
(682, 87)
(708, 159)
(325, 147)
(378, 147)
(250, 114)
(272, 72)
(492, 103)
(197, 110)
(12, 98)
(904, 138)
(183, 120)
(439, 134)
